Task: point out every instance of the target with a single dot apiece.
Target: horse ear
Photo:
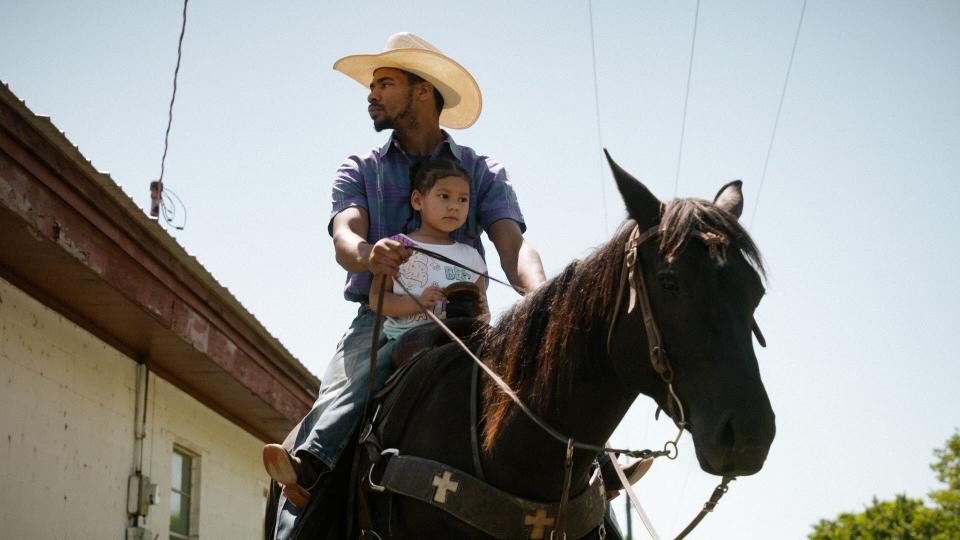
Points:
(730, 198)
(643, 206)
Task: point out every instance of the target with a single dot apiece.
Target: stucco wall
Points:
(67, 403)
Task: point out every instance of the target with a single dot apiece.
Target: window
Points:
(183, 503)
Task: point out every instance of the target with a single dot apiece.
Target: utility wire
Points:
(776, 121)
(686, 99)
(596, 103)
(176, 71)
(167, 205)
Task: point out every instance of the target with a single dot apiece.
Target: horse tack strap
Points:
(708, 506)
(475, 422)
(631, 276)
(485, 507)
(627, 274)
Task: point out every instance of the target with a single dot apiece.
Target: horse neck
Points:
(588, 399)
(527, 461)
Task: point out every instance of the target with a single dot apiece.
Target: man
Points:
(414, 90)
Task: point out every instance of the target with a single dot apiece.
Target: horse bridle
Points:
(632, 274)
(638, 291)
(658, 358)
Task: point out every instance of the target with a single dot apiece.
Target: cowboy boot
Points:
(296, 474)
(634, 472)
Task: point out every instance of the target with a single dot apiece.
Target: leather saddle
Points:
(419, 340)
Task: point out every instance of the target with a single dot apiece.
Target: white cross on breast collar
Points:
(539, 521)
(444, 484)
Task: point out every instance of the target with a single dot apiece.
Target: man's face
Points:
(390, 99)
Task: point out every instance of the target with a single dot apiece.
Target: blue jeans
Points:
(325, 431)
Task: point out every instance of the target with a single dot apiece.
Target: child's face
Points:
(445, 206)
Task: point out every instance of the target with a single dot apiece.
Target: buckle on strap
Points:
(370, 483)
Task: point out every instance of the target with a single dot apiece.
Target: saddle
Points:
(421, 339)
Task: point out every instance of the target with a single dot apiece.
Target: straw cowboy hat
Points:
(461, 94)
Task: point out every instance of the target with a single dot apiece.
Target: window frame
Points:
(192, 498)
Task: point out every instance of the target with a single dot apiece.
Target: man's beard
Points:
(391, 123)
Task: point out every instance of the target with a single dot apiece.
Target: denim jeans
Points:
(326, 430)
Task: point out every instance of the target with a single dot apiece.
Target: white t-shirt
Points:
(421, 271)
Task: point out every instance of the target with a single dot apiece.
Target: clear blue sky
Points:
(856, 218)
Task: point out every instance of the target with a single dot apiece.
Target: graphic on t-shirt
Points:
(413, 273)
(457, 274)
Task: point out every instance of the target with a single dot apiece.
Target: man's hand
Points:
(386, 256)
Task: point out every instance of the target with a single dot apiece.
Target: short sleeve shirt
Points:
(379, 182)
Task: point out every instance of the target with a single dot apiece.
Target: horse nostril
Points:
(745, 438)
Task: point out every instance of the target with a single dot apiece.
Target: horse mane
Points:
(685, 217)
(566, 318)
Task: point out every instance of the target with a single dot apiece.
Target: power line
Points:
(160, 202)
(173, 97)
(686, 99)
(596, 102)
(776, 121)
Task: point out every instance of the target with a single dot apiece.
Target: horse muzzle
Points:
(737, 446)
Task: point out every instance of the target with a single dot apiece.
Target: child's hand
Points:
(431, 296)
(386, 256)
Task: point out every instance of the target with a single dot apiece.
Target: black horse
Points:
(578, 355)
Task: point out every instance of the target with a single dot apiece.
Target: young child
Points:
(440, 198)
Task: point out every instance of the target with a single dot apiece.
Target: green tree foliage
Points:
(905, 518)
(948, 471)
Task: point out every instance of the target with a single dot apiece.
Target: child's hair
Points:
(424, 174)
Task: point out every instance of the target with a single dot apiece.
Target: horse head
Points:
(703, 277)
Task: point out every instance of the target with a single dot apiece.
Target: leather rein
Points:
(638, 293)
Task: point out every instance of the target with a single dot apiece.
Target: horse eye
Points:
(668, 280)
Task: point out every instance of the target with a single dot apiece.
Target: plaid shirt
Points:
(379, 182)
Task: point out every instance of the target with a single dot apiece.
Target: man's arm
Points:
(354, 252)
(349, 231)
(519, 260)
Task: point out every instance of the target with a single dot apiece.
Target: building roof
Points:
(74, 240)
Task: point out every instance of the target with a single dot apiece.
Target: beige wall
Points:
(67, 404)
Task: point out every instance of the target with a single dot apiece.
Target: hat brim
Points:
(462, 101)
